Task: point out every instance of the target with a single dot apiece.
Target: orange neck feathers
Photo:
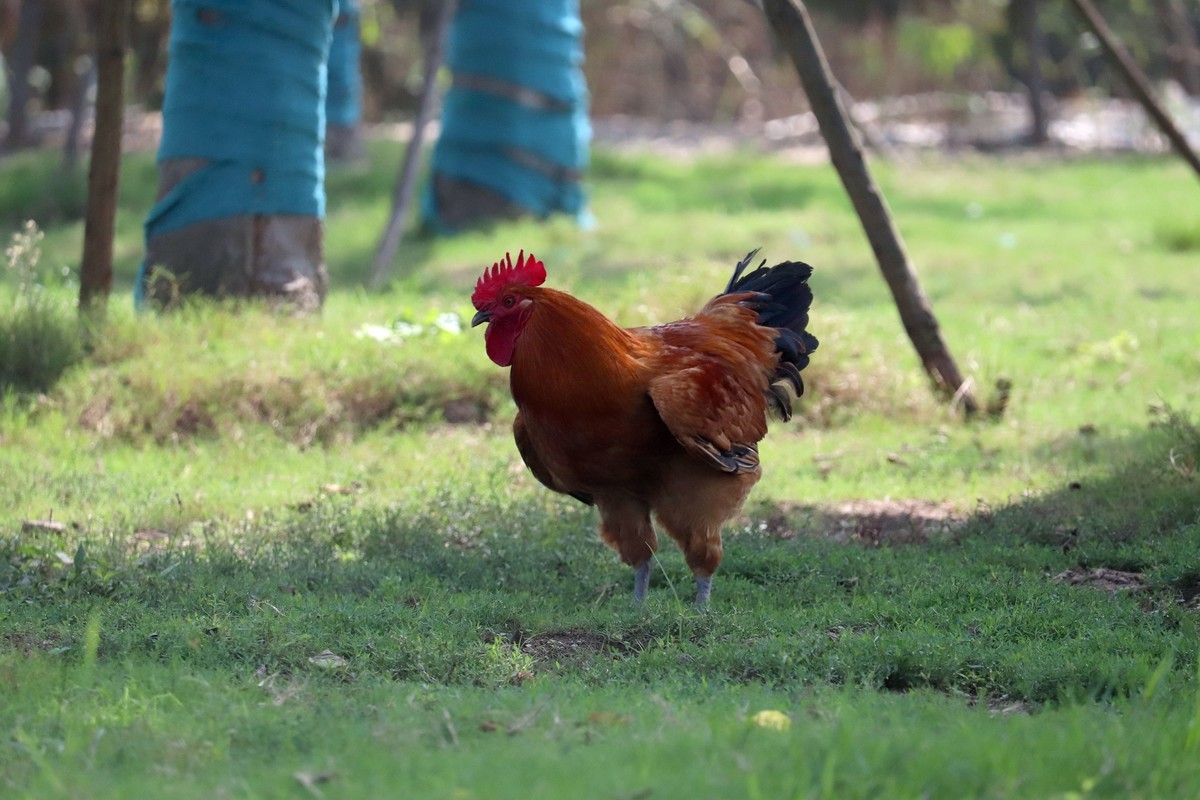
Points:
(569, 354)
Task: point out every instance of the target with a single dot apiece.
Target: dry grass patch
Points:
(870, 523)
(307, 410)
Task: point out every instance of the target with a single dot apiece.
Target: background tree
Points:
(515, 129)
(104, 173)
(343, 99)
(435, 22)
(241, 167)
(1138, 83)
(18, 63)
(1183, 44)
(792, 24)
(1029, 41)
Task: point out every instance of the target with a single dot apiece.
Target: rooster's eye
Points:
(509, 300)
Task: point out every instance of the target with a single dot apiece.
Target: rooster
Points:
(662, 420)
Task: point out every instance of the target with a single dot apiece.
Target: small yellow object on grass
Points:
(772, 720)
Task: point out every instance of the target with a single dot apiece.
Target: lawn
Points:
(247, 555)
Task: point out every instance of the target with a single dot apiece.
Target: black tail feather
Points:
(732, 286)
(791, 373)
(782, 297)
(779, 401)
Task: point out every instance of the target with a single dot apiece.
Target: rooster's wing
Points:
(710, 382)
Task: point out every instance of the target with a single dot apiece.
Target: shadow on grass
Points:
(479, 585)
(1151, 490)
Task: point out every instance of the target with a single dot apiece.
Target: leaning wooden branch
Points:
(1137, 81)
(385, 253)
(792, 26)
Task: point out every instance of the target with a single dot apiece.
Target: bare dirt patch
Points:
(1189, 591)
(871, 523)
(1104, 579)
(1001, 705)
(571, 646)
(28, 643)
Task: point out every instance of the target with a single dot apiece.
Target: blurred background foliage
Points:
(696, 60)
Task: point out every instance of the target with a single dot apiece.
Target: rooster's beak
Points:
(481, 317)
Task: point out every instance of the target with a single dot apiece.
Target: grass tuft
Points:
(1184, 456)
(1179, 235)
(39, 333)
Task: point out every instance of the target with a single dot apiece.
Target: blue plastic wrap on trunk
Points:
(532, 153)
(245, 91)
(343, 102)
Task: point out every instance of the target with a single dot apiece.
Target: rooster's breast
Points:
(625, 450)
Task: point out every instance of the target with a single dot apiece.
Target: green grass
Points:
(295, 560)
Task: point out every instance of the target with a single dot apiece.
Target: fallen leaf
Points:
(327, 659)
(34, 525)
(309, 780)
(772, 720)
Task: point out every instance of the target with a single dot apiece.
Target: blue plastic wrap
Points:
(245, 90)
(531, 153)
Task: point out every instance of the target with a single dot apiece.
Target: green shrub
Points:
(39, 333)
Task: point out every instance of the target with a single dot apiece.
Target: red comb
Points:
(526, 272)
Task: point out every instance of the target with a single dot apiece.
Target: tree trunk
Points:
(792, 26)
(1027, 33)
(343, 100)
(104, 173)
(515, 132)
(79, 110)
(23, 53)
(1137, 81)
(241, 197)
(1183, 49)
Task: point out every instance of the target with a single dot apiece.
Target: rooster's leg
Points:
(641, 582)
(703, 590)
(625, 527)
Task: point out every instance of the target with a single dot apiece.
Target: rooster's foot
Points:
(703, 591)
(641, 582)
